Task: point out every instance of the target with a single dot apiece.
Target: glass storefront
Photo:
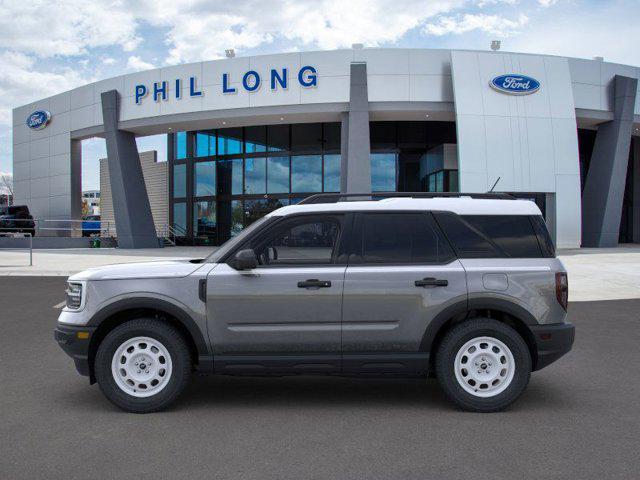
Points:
(222, 180)
(399, 157)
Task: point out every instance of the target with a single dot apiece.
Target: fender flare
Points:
(202, 347)
(464, 307)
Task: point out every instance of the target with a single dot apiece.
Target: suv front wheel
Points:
(143, 365)
(483, 365)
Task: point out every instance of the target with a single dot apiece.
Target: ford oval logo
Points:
(515, 84)
(38, 119)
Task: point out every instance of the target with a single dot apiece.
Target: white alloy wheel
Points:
(141, 367)
(484, 367)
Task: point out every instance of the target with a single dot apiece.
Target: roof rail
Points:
(338, 197)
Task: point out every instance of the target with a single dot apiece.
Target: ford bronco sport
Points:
(465, 288)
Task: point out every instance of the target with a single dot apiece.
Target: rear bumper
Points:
(75, 346)
(552, 342)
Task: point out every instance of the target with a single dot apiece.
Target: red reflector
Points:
(545, 336)
(562, 289)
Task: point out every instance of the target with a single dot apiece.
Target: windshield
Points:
(233, 242)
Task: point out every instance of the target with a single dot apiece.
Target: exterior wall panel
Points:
(157, 184)
(523, 124)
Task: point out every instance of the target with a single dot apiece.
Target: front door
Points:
(400, 276)
(285, 314)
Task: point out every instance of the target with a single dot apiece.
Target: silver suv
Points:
(463, 288)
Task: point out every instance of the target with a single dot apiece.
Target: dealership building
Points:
(247, 135)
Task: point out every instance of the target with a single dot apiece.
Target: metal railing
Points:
(12, 234)
(44, 227)
(75, 228)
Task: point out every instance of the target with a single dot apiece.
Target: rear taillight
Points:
(562, 289)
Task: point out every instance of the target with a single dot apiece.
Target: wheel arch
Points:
(117, 313)
(509, 313)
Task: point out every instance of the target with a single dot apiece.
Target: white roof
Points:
(460, 205)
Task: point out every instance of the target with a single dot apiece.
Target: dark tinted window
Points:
(332, 136)
(402, 238)
(485, 236)
(467, 242)
(306, 137)
(544, 239)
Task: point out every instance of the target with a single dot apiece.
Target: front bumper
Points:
(75, 342)
(552, 342)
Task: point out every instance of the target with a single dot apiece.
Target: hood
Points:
(129, 271)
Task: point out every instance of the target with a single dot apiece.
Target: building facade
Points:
(92, 200)
(156, 183)
(247, 135)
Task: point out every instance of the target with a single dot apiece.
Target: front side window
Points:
(401, 238)
(308, 241)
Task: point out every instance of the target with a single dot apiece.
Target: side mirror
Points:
(245, 260)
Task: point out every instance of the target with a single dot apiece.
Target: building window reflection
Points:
(278, 175)
(180, 180)
(306, 173)
(204, 179)
(230, 177)
(204, 219)
(255, 176)
(384, 172)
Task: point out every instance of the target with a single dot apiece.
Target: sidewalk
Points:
(594, 274)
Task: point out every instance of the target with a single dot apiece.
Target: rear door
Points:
(401, 274)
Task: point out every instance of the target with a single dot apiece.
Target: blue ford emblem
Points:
(38, 119)
(515, 84)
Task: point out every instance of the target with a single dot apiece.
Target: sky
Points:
(49, 47)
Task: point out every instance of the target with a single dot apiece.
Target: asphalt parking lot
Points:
(579, 418)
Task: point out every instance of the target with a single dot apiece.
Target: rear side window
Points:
(544, 239)
(401, 238)
(491, 236)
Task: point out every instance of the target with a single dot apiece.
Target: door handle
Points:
(314, 283)
(431, 282)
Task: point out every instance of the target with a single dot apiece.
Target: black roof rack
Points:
(338, 197)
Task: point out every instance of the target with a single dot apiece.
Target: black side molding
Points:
(202, 290)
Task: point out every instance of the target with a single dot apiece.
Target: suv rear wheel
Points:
(143, 365)
(483, 365)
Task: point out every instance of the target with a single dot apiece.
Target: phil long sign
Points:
(251, 81)
(515, 84)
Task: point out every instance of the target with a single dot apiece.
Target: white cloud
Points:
(547, 3)
(17, 85)
(597, 34)
(46, 29)
(491, 24)
(323, 24)
(136, 63)
(109, 60)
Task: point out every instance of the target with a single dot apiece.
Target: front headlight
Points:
(74, 295)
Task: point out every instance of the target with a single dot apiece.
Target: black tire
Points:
(177, 348)
(454, 340)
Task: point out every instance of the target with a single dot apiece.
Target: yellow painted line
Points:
(60, 305)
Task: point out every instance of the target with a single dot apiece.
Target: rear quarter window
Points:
(491, 236)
